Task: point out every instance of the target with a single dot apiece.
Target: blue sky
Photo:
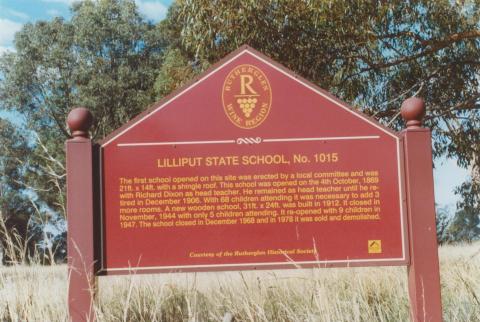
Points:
(14, 13)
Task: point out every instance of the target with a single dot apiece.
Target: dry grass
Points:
(36, 293)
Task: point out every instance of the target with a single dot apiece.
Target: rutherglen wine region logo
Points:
(246, 96)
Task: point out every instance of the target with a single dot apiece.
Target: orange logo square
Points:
(375, 246)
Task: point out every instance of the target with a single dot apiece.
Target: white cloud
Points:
(4, 49)
(14, 13)
(154, 10)
(8, 28)
(54, 12)
(66, 2)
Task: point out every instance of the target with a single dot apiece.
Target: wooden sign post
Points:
(81, 216)
(423, 271)
(251, 167)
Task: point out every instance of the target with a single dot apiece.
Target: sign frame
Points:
(157, 107)
(84, 160)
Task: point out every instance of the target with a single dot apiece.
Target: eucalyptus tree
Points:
(105, 57)
(372, 54)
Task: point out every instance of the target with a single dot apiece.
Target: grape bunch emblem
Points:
(247, 104)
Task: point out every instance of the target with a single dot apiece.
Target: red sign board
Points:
(248, 167)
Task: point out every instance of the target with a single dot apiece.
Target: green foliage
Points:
(466, 223)
(371, 54)
(106, 58)
(118, 59)
(465, 226)
(175, 71)
(443, 222)
(15, 209)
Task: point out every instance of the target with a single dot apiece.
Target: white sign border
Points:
(402, 207)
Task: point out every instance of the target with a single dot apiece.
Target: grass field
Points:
(38, 293)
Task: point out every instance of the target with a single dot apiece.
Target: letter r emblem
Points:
(245, 82)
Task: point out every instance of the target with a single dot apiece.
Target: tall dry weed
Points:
(38, 293)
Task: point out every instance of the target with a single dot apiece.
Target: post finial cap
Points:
(79, 121)
(413, 111)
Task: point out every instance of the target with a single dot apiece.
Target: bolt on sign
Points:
(248, 167)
